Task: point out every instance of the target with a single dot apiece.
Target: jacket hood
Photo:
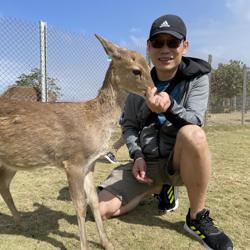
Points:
(189, 68)
(193, 67)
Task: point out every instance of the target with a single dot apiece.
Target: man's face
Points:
(166, 52)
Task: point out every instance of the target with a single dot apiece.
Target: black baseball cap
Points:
(169, 24)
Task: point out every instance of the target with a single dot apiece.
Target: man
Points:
(164, 136)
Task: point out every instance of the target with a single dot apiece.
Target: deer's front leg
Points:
(75, 176)
(93, 201)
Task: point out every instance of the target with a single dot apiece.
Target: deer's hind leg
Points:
(93, 202)
(6, 176)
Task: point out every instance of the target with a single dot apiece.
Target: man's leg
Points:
(121, 192)
(111, 206)
(192, 158)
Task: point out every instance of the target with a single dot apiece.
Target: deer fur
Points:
(18, 93)
(70, 136)
(26, 93)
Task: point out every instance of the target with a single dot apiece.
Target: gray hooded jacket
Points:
(143, 137)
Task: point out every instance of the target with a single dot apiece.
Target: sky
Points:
(216, 27)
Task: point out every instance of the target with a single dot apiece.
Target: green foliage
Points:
(33, 80)
(227, 79)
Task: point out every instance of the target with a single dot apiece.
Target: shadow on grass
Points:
(64, 194)
(147, 214)
(39, 225)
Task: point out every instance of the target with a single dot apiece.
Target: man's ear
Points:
(110, 48)
(185, 47)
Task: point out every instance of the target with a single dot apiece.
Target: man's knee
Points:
(108, 204)
(192, 136)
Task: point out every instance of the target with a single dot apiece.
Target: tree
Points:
(33, 80)
(226, 84)
(227, 79)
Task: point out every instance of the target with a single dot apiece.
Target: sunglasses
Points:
(171, 43)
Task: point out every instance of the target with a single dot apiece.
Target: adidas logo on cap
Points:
(164, 24)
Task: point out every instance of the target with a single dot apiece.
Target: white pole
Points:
(244, 93)
(43, 62)
(208, 104)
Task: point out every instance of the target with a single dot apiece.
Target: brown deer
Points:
(70, 136)
(18, 93)
(26, 93)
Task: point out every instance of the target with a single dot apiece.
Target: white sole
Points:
(114, 162)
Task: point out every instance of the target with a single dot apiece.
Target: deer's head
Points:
(130, 68)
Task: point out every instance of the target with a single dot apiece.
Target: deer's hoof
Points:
(109, 246)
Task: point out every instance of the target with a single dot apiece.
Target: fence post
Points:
(209, 79)
(244, 93)
(43, 60)
(148, 59)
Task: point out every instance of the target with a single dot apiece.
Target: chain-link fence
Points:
(74, 65)
(229, 99)
(66, 66)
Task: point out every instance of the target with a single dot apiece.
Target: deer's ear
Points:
(110, 48)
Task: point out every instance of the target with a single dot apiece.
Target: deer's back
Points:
(24, 93)
(39, 134)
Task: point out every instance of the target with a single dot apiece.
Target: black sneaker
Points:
(167, 198)
(111, 157)
(203, 229)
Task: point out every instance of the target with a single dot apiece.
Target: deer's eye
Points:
(136, 72)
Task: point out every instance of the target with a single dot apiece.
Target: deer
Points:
(70, 135)
(26, 93)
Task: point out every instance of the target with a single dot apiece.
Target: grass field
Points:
(232, 118)
(50, 223)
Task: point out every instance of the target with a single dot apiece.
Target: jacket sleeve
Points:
(131, 128)
(193, 112)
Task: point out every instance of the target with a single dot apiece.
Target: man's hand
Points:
(139, 171)
(157, 102)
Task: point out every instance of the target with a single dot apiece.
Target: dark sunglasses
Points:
(171, 43)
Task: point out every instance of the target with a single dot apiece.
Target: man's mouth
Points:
(165, 59)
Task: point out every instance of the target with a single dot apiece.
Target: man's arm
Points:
(195, 107)
(131, 128)
(192, 112)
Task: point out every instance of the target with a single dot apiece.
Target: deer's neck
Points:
(110, 98)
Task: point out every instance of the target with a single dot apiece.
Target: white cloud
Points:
(135, 30)
(138, 41)
(224, 39)
(240, 8)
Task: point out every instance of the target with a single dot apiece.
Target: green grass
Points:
(50, 223)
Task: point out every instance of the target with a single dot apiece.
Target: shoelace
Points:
(207, 223)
